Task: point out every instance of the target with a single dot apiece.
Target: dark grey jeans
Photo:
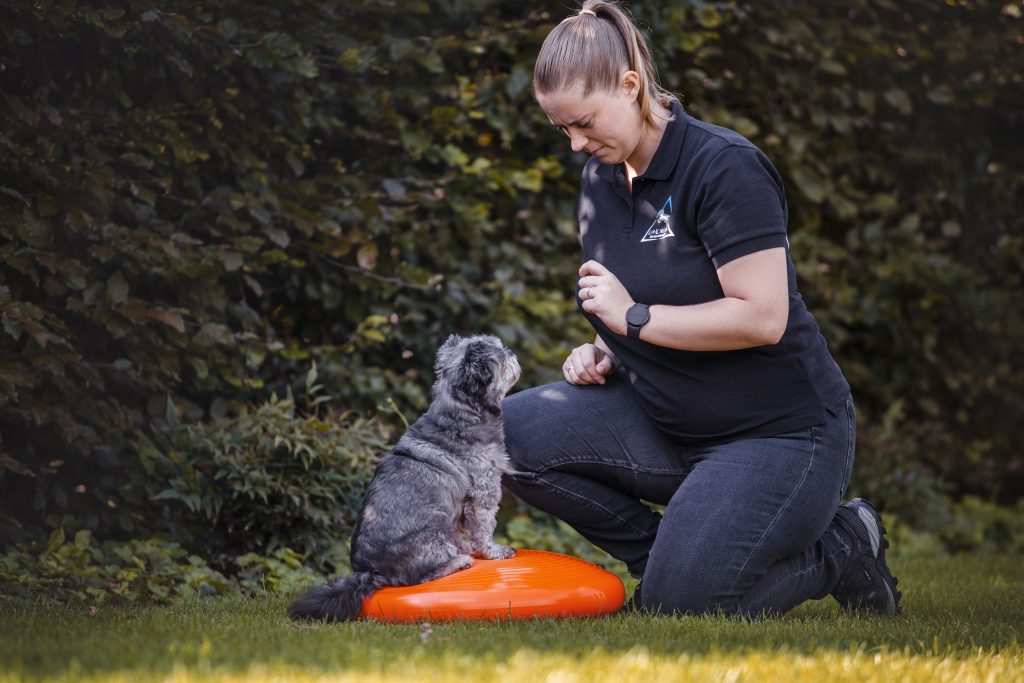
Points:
(748, 525)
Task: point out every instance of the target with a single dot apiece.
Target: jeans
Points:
(748, 526)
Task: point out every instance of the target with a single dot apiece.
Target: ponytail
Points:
(594, 48)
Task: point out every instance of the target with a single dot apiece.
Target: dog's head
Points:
(475, 372)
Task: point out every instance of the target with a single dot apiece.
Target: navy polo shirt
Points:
(708, 197)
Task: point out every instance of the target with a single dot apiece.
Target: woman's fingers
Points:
(573, 369)
(568, 372)
(585, 366)
(593, 268)
(588, 364)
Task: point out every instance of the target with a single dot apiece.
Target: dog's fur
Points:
(432, 503)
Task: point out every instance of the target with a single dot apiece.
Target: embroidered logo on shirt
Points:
(660, 228)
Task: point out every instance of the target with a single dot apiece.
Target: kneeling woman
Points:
(708, 387)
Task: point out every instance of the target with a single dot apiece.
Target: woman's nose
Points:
(577, 140)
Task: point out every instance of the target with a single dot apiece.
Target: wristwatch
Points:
(637, 316)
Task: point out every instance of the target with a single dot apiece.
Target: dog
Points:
(432, 504)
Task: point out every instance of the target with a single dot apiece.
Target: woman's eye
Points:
(580, 126)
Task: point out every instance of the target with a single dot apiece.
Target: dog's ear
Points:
(475, 373)
(445, 358)
(451, 342)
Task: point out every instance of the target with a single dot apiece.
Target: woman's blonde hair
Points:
(594, 47)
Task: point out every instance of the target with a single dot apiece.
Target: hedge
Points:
(197, 200)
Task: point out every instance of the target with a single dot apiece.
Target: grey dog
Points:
(433, 500)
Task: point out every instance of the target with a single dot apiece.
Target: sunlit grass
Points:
(963, 621)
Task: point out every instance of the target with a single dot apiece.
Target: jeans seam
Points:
(785, 506)
(851, 434)
(681, 472)
(593, 503)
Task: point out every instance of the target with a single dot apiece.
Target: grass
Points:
(963, 621)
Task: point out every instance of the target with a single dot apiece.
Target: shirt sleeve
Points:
(742, 207)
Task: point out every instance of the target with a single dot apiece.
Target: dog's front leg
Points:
(464, 546)
(480, 513)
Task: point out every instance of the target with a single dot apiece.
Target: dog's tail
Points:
(340, 600)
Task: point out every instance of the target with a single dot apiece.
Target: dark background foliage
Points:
(198, 200)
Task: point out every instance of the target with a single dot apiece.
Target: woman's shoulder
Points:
(716, 137)
(713, 151)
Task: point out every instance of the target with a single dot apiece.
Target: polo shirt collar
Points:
(667, 154)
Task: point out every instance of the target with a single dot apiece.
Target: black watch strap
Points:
(636, 317)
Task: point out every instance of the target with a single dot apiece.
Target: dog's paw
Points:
(456, 564)
(496, 551)
(461, 563)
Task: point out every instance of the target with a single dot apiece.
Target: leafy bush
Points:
(137, 570)
(150, 570)
(268, 478)
(198, 198)
(282, 572)
(979, 526)
(890, 466)
(969, 526)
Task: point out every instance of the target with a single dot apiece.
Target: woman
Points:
(708, 388)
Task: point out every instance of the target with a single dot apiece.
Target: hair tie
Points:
(588, 11)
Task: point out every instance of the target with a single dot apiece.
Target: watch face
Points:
(638, 315)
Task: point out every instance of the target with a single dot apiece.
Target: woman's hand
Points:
(603, 295)
(587, 364)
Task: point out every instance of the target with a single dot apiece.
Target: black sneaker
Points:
(866, 583)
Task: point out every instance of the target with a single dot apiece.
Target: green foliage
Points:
(198, 199)
(149, 570)
(283, 572)
(267, 479)
(891, 467)
(978, 527)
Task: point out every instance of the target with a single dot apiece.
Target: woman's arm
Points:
(754, 310)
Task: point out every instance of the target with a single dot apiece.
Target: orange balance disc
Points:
(534, 583)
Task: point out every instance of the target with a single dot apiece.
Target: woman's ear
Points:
(629, 85)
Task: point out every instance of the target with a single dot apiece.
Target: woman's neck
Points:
(637, 162)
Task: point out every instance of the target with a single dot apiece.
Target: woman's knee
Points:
(685, 588)
(517, 433)
(685, 603)
(530, 425)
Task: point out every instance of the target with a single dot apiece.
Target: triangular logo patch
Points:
(660, 228)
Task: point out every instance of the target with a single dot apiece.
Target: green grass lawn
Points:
(963, 621)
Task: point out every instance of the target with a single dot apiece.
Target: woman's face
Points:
(604, 124)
